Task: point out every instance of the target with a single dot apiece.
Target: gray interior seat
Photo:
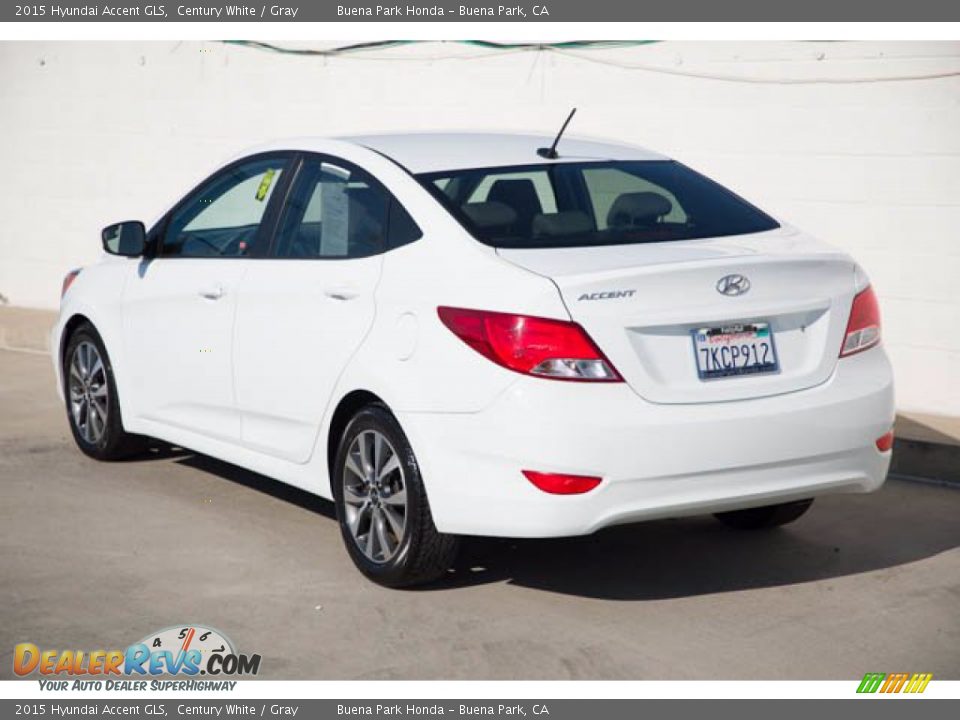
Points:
(638, 209)
(568, 222)
(486, 215)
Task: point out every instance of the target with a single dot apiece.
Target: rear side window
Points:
(222, 219)
(334, 211)
(402, 229)
(592, 204)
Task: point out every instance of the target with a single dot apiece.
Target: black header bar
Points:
(474, 11)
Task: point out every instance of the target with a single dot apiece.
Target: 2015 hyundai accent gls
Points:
(467, 334)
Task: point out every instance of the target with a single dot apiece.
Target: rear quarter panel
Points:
(409, 357)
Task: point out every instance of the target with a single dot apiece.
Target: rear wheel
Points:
(382, 506)
(768, 516)
(93, 407)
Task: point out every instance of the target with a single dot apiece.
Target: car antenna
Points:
(550, 153)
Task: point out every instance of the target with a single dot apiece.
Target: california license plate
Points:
(734, 350)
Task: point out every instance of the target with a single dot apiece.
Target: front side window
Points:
(591, 204)
(223, 218)
(334, 211)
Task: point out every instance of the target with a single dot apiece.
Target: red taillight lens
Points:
(68, 281)
(885, 441)
(560, 484)
(531, 345)
(863, 328)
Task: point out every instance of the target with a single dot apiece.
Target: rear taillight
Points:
(561, 484)
(546, 348)
(885, 441)
(863, 328)
(68, 281)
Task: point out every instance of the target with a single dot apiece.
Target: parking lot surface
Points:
(97, 556)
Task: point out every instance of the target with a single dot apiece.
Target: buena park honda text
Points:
(472, 334)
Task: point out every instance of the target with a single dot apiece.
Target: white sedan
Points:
(470, 334)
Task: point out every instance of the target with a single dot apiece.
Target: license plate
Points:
(734, 350)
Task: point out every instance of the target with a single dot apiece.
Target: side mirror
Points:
(126, 238)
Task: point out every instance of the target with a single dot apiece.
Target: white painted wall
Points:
(96, 132)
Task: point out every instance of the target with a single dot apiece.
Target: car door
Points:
(303, 313)
(180, 304)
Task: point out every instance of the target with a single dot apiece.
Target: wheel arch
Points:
(102, 326)
(69, 327)
(347, 407)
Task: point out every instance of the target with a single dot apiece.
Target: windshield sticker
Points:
(265, 184)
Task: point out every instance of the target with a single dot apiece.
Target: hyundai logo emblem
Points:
(733, 285)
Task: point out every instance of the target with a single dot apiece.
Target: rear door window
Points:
(335, 211)
(402, 229)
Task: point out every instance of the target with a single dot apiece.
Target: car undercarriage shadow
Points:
(261, 483)
(839, 536)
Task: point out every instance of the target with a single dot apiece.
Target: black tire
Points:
(114, 443)
(768, 516)
(422, 554)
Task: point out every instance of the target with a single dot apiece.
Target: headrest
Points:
(569, 222)
(490, 214)
(637, 208)
(520, 194)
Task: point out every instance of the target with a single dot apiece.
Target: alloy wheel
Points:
(89, 392)
(374, 496)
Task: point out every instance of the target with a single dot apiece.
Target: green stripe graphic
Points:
(871, 682)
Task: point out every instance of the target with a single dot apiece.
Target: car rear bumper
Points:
(655, 460)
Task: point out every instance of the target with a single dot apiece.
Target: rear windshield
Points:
(588, 204)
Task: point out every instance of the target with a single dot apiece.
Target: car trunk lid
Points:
(642, 304)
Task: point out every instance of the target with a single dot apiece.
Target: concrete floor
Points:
(97, 555)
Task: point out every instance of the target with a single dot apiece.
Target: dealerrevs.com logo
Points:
(179, 650)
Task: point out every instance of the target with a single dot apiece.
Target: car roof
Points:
(425, 152)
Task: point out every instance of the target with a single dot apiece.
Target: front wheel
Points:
(768, 516)
(382, 506)
(93, 407)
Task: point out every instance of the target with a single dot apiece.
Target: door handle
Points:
(341, 293)
(214, 292)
